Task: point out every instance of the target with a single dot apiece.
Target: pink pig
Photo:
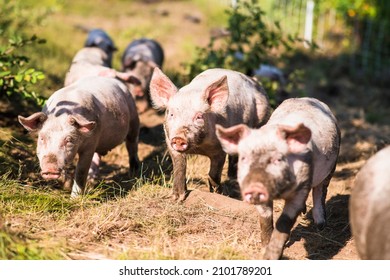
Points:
(216, 96)
(296, 151)
(94, 114)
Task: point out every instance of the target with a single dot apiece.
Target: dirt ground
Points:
(359, 141)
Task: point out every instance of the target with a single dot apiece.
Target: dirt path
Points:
(359, 141)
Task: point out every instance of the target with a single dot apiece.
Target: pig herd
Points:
(283, 155)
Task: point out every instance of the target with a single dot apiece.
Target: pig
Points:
(294, 152)
(140, 58)
(369, 207)
(89, 61)
(94, 114)
(100, 39)
(215, 96)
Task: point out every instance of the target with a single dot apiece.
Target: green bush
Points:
(16, 76)
(250, 43)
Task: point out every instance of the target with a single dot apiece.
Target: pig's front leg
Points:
(134, 165)
(232, 167)
(216, 165)
(81, 175)
(68, 178)
(179, 161)
(292, 208)
(266, 221)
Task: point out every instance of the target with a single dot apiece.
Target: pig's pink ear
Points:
(217, 94)
(33, 122)
(297, 137)
(83, 126)
(230, 137)
(161, 89)
(127, 77)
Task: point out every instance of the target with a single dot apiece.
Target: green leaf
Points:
(30, 71)
(5, 73)
(19, 78)
(40, 76)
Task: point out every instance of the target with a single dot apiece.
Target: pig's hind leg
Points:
(319, 197)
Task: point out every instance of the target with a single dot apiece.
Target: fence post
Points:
(309, 23)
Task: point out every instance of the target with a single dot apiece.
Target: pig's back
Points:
(106, 90)
(247, 102)
(370, 207)
(314, 114)
(87, 62)
(325, 138)
(103, 100)
(147, 49)
(97, 98)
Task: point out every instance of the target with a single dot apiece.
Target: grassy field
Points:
(127, 218)
(166, 21)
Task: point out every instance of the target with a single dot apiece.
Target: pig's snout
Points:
(179, 144)
(256, 193)
(50, 169)
(51, 172)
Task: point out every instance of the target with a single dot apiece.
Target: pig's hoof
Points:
(178, 197)
(67, 186)
(271, 255)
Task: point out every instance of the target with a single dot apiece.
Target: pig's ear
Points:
(296, 137)
(161, 89)
(230, 137)
(217, 94)
(33, 122)
(129, 63)
(152, 64)
(82, 125)
(128, 77)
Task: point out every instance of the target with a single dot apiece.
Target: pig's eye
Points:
(276, 160)
(169, 114)
(243, 158)
(68, 141)
(198, 117)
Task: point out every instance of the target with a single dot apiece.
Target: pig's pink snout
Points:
(51, 174)
(256, 193)
(50, 169)
(179, 144)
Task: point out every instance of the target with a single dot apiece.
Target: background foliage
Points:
(16, 74)
(251, 42)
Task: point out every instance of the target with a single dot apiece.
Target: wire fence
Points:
(364, 42)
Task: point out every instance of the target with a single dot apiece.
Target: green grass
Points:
(114, 220)
(14, 247)
(123, 20)
(21, 207)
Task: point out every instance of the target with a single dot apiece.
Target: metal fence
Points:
(364, 43)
